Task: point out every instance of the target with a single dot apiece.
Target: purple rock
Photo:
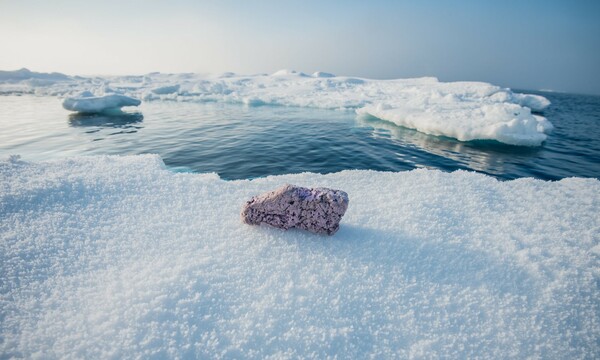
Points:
(316, 210)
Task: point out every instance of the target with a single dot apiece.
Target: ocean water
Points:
(241, 142)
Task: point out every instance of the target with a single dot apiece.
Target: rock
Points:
(317, 210)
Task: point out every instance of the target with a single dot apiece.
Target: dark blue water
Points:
(240, 142)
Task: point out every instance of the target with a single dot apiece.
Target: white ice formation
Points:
(461, 110)
(116, 257)
(26, 74)
(86, 102)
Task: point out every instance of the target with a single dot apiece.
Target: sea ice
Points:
(116, 257)
(462, 110)
(321, 74)
(26, 74)
(507, 123)
(169, 89)
(85, 102)
(24, 81)
(288, 72)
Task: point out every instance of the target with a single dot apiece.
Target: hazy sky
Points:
(521, 44)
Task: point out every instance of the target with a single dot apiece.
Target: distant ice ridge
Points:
(462, 110)
(26, 81)
(86, 102)
(26, 74)
(115, 257)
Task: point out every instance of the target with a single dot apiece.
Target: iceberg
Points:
(87, 103)
(105, 256)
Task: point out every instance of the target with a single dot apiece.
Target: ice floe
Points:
(86, 102)
(169, 89)
(116, 257)
(321, 74)
(462, 110)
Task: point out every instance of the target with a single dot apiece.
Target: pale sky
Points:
(550, 44)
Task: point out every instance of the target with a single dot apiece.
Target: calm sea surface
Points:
(240, 142)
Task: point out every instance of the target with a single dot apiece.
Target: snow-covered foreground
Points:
(115, 257)
(462, 110)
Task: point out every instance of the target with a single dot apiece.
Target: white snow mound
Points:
(115, 257)
(507, 123)
(87, 103)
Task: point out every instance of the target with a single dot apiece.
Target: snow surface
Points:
(462, 110)
(116, 257)
(87, 103)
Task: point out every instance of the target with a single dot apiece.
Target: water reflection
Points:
(489, 157)
(121, 120)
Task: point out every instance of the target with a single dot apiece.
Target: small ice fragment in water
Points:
(86, 103)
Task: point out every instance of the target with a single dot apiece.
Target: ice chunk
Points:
(105, 257)
(163, 90)
(507, 123)
(86, 103)
(252, 101)
(320, 74)
(534, 102)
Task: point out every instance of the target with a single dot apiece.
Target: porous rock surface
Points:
(316, 210)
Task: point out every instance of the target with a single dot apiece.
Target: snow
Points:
(462, 110)
(85, 102)
(116, 257)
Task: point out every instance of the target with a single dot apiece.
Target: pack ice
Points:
(462, 110)
(116, 257)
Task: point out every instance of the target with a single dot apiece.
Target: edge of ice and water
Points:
(114, 256)
(461, 110)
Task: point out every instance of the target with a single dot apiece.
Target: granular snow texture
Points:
(115, 257)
